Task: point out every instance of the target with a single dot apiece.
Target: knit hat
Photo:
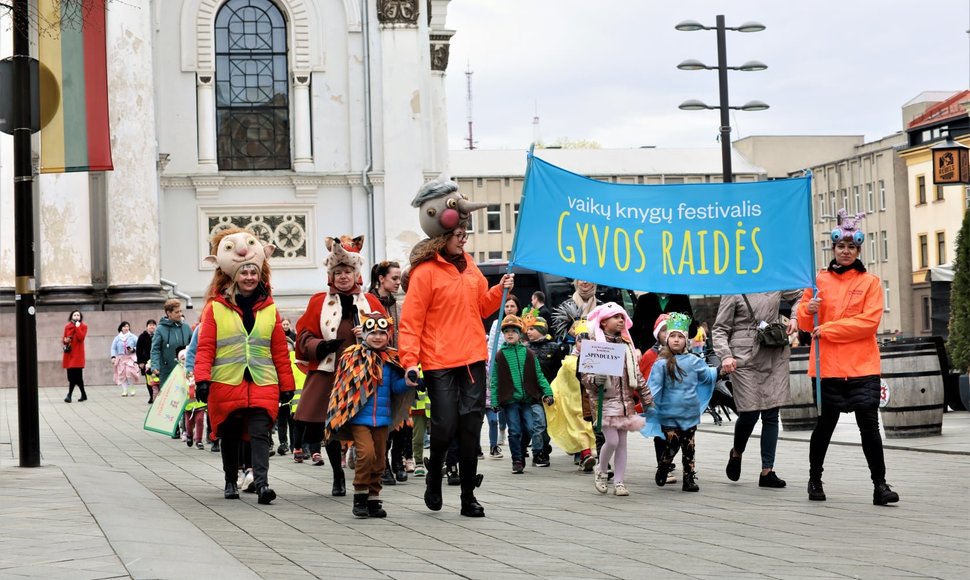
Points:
(441, 208)
(678, 322)
(660, 324)
(848, 229)
(513, 321)
(608, 310)
(375, 322)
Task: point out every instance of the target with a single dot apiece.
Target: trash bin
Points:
(912, 371)
(801, 414)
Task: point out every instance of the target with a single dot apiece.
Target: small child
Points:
(421, 415)
(682, 384)
(517, 382)
(549, 354)
(646, 364)
(569, 423)
(367, 399)
(611, 398)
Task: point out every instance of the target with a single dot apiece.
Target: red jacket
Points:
(76, 334)
(223, 398)
(441, 322)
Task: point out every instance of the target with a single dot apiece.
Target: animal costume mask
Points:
(340, 256)
(238, 249)
(608, 310)
(442, 208)
(678, 322)
(375, 322)
(848, 229)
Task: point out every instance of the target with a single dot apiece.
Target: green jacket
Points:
(517, 377)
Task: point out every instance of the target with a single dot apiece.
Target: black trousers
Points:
(257, 424)
(75, 377)
(868, 422)
(283, 424)
(457, 411)
(399, 447)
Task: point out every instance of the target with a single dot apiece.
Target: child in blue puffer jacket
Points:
(369, 397)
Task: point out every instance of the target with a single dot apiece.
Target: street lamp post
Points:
(722, 83)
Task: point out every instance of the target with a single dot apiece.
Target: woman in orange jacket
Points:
(442, 330)
(849, 305)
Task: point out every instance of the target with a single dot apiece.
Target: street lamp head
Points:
(754, 106)
(693, 64)
(751, 27)
(753, 65)
(690, 26)
(693, 105)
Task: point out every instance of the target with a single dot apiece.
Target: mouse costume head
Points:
(441, 208)
(849, 229)
(233, 248)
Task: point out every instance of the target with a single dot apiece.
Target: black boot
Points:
(387, 478)
(690, 481)
(360, 505)
(882, 494)
(453, 477)
(375, 509)
(661, 476)
(231, 491)
(470, 507)
(265, 495)
(339, 488)
(432, 490)
(815, 490)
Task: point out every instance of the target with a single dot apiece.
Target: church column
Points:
(440, 47)
(132, 189)
(302, 131)
(65, 240)
(206, 99)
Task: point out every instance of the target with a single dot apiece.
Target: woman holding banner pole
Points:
(849, 305)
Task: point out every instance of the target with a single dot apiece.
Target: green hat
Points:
(678, 322)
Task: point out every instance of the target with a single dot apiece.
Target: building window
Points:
(845, 199)
(926, 314)
(885, 295)
(882, 195)
(940, 248)
(921, 190)
(515, 214)
(872, 250)
(870, 202)
(857, 195)
(495, 255)
(252, 86)
(939, 193)
(821, 207)
(924, 258)
(885, 246)
(493, 214)
(471, 224)
(832, 205)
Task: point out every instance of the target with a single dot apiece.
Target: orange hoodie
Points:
(441, 322)
(851, 309)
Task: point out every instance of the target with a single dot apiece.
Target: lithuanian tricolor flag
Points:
(73, 48)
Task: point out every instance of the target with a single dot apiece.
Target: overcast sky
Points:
(605, 70)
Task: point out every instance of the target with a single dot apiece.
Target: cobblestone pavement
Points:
(115, 501)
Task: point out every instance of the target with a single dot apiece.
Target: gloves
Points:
(549, 401)
(326, 347)
(202, 391)
(286, 396)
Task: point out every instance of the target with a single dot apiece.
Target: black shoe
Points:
(432, 492)
(67, 399)
(272, 451)
(771, 480)
(200, 445)
(82, 399)
(883, 494)
(733, 469)
(690, 481)
(540, 460)
(387, 478)
(360, 505)
(470, 508)
(282, 450)
(518, 466)
(401, 475)
(661, 476)
(150, 401)
(375, 509)
(188, 442)
(231, 491)
(215, 447)
(266, 495)
(815, 491)
(453, 477)
(339, 488)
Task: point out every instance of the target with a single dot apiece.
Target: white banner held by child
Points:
(602, 358)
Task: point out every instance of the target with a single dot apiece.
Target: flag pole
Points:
(817, 359)
(493, 348)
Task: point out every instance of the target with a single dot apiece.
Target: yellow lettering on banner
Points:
(601, 247)
(757, 249)
(572, 253)
(700, 243)
(720, 238)
(667, 242)
(616, 249)
(737, 249)
(643, 256)
(686, 254)
(583, 231)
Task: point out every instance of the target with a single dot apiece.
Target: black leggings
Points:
(75, 377)
(457, 411)
(676, 440)
(868, 422)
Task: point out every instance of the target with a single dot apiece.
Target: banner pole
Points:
(817, 358)
(493, 348)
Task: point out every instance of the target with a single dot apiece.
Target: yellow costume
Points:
(566, 426)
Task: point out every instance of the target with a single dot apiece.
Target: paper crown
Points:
(580, 327)
(537, 322)
(678, 322)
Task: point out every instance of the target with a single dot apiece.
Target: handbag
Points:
(772, 334)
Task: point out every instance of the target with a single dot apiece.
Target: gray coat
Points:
(761, 379)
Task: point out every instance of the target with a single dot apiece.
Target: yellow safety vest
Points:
(237, 351)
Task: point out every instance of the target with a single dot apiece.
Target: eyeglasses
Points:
(461, 237)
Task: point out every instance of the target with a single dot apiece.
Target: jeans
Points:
(769, 433)
(491, 415)
(520, 419)
(868, 422)
(539, 436)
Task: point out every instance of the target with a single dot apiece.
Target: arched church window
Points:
(252, 88)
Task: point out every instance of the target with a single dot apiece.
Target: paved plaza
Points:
(115, 501)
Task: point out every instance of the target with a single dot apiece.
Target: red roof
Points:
(948, 109)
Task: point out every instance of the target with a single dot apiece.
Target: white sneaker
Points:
(600, 482)
(249, 486)
(620, 489)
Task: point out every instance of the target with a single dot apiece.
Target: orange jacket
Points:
(441, 322)
(849, 315)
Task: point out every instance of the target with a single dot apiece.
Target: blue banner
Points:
(710, 238)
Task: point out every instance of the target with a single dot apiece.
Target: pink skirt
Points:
(624, 423)
(126, 369)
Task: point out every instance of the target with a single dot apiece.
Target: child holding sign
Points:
(611, 397)
(682, 384)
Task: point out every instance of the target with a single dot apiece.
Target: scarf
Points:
(457, 260)
(835, 268)
(586, 303)
(358, 373)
